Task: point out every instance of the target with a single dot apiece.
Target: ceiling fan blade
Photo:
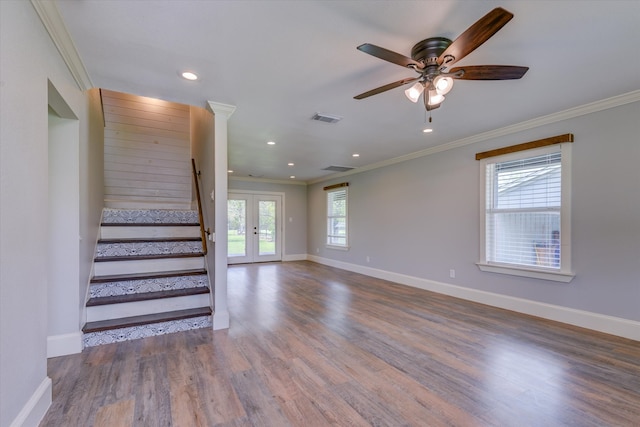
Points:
(388, 55)
(474, 36)
(490, 72)
(386, 88)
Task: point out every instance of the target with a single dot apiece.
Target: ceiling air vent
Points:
(337, 168)
(327, 118)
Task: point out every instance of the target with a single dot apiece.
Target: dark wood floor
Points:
(311, 345)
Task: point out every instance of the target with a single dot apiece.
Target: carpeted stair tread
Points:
(145, 276)
(104, 325)
(119, 299)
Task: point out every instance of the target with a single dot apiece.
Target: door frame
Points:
(280, 223)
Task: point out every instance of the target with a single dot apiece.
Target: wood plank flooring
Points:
(310, 345)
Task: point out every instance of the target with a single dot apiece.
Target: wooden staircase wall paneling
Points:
(146, 152)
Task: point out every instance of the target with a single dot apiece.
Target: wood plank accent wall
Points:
(146, 152)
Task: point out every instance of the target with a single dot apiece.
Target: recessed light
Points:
(189, 75)
(355, 155)
(427, 130)
(292, 177)
(229, 171)
(271, 143)
(290, 164)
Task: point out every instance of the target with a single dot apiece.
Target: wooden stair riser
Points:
(137, 286)
(147, 265)
(140, 308)
(149, 232)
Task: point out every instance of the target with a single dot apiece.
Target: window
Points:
(525, 213)
(337, 225)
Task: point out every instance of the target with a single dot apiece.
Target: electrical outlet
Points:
(452, 273)
(368, 259)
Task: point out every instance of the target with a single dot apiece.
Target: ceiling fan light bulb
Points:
(443, 84)
(435, 98)
(414, 92)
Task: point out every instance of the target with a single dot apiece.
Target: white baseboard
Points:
(585, 319)
(61, 345)
(295, 257)
(36, 407)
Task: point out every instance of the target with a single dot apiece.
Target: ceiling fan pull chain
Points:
(425, 97)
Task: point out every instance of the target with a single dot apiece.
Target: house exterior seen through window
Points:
(525, 210)
(337, 224)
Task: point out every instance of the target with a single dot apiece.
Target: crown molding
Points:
(53, 23)
(266, 180)
(219, 109)
(582, 110)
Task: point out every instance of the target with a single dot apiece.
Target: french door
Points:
(254, 228)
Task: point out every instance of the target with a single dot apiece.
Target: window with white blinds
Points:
(523, 210)
(337, 225)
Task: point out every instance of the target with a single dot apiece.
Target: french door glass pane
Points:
(237, 232)
(267, 227)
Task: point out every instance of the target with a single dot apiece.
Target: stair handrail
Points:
(203, 232)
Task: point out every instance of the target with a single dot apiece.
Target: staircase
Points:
(149, 276)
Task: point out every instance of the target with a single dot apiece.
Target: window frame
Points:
(345, 190)
(564, 273)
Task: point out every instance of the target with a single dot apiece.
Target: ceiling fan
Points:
(432, 57)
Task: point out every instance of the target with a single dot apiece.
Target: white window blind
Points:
(523, 211)
(337, 217)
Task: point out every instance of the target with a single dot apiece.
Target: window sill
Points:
(339, 248)
(556, 276)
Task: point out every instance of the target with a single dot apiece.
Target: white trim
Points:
(564, 274)
(64, 344)
(585, 319)
(224, 110)
(266, 180)
(582, 110)
(556, 276)
(54, 24)
(338, 248)
(36, 407)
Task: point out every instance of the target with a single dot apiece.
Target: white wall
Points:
(420, 218)
(294, 214)
(63, 232)
(202, 150)
(91, 176)
(29, 61)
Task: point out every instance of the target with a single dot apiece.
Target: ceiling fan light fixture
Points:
(443, 84)
(435, 98)
(414, 92)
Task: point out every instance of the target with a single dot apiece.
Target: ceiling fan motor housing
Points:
(428, 50)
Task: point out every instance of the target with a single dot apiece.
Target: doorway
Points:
(254, 227)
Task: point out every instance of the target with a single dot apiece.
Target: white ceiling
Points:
(280, 62)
